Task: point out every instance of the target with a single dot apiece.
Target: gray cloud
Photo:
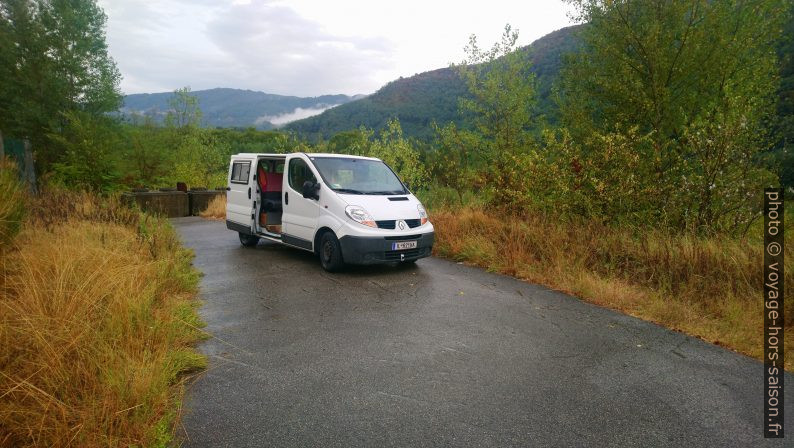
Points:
(260, 46)
(273, 46)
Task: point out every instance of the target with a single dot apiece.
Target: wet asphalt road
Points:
(441, 354)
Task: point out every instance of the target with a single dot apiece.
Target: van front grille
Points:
(392, 223)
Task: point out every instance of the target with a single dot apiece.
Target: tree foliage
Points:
(184, 110)
(499, 107)
(682, 75)
(502, 94)
(452, 161)
(400, 154)
(781, 159)
(89, 158)
(54, 64)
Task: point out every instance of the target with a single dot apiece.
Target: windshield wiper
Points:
(347, 191)
(386, 192)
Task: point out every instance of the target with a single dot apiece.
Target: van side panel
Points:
(299, 216)
(328, 220)
(240, 194)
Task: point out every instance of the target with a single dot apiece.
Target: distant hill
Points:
(231, 108)
(420, 99)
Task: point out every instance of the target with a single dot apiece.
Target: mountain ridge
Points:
(419, 100)
(229, 107)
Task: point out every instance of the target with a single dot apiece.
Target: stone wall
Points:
(171, 202)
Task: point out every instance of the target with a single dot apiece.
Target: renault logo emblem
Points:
(401, 225)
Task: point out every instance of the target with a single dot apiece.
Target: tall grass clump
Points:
(97, 322)
(706, 286)
(216, 209)
(440, 197)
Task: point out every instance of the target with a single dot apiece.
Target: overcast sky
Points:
(305, 47)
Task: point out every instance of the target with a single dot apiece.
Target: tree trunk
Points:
(2, 148)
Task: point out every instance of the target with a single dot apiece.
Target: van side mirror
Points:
(310, 190)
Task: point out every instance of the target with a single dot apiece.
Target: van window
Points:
(358, 176)
(299, 172)
(240, 171)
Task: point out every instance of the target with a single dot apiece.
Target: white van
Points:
(345, 209)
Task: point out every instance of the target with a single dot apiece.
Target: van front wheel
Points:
(330, 252)
(248, 240)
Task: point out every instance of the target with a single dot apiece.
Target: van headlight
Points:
(359, 215)
(422, 214)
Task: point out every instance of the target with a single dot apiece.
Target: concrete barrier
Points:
(172, 203)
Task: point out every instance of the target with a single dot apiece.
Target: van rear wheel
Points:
(330, 252)
(248, 240)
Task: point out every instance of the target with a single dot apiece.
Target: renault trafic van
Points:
(345, 209)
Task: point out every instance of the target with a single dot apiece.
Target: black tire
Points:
(330, 252)
(248, 240)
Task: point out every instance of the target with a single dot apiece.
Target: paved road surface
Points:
(441, 354)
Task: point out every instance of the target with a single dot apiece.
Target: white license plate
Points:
(402, 245)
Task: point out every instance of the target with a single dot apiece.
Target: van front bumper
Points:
(378, 249)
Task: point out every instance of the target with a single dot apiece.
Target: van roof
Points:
(312, 154)
(249, 155)
(345, 156)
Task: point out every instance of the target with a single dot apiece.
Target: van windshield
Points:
(358, 176)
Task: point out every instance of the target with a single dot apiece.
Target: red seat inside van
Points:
(269, 181)
(270, 187)
(272, 182)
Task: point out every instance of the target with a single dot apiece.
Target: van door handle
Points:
(286, 198)
(249, 192)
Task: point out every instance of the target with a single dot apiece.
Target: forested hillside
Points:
(235, 108)
(419, 100)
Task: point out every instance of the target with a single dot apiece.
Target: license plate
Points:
(402, 245)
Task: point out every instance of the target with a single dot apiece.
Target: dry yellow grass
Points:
(706, 287)
(216, 208)
(97, 322)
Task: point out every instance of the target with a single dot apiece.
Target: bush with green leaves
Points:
(500, 110)
(696, 81)
(400, 154)
(91, 156)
